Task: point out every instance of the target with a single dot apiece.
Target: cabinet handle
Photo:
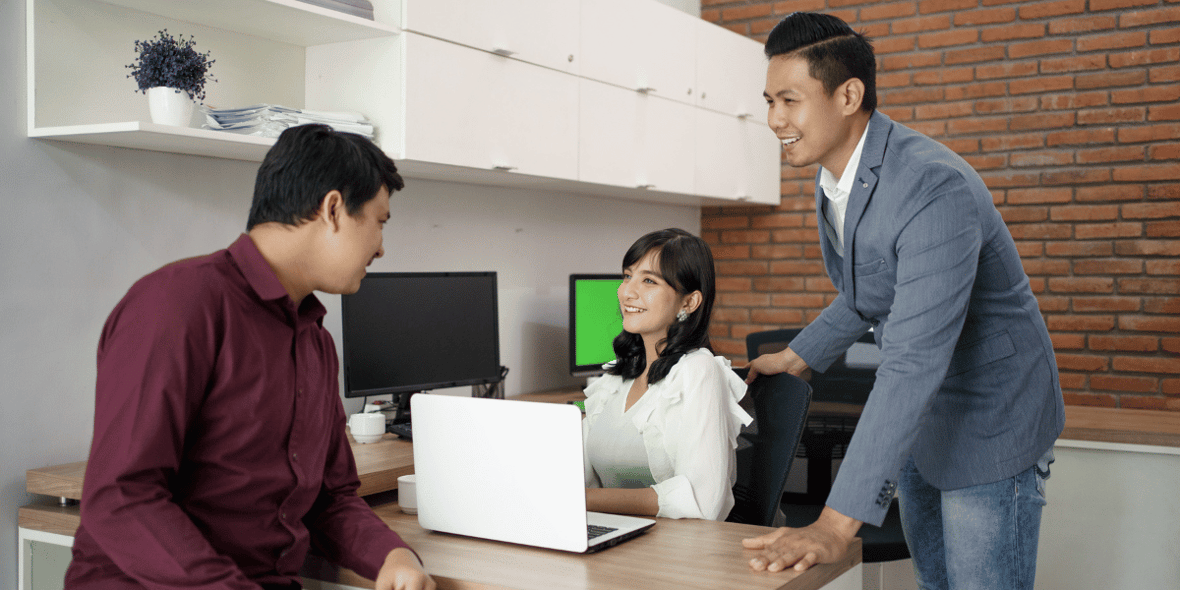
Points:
(645, 186)
(503, 52)
(744, 115)
(504, 167)
(645, 89)
(744, 197)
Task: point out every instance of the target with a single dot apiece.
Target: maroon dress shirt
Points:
(219, 450)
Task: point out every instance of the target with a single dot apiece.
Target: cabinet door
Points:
(634, 140)
(737, 159)
(730, 72)
(640, 44)
(542, 32)
(470, 108)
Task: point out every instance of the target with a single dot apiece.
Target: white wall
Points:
(84, 222)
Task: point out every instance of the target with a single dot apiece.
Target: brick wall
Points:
(1070, 111)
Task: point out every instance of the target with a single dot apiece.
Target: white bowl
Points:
(365, 439)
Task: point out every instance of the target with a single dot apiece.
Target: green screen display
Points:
(596, 320)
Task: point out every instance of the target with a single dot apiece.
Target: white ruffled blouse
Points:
(689, 428)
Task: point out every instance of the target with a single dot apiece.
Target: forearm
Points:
(638, 501)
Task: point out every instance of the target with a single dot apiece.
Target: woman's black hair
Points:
(309, 161)
(686, 264)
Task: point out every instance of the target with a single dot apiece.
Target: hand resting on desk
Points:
(402, 571)
(823, 541)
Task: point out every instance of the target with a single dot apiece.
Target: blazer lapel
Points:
(871, 157)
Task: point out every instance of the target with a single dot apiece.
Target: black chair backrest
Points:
(780, 412)
(848, 380)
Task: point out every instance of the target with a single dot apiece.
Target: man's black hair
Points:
(309, 161)
(834, 52)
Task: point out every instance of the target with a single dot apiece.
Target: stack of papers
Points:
(265, 120)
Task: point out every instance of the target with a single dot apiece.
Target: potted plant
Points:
(172, 74)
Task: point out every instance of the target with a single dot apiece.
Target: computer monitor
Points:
(595, 321)
(405, 332)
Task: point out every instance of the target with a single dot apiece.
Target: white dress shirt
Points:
(837, 193)
(689, 423)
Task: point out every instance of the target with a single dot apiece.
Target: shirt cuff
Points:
(676, 499)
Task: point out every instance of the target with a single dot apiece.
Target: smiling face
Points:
(357, 242)
(813, 126)
(648, 303)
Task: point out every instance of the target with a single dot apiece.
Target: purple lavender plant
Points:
(171, 62)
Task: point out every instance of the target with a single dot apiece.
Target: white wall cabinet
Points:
(490, 98)
(541, 32)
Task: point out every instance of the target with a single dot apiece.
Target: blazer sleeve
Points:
(937, 248)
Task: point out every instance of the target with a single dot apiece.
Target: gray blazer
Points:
(968, 381)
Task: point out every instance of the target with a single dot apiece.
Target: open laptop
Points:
(508, 471)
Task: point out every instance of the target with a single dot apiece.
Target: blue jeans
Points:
(977, 538)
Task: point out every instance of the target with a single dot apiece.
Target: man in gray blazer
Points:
(966, 406)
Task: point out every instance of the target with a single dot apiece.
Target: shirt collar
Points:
(829, 183)
(265, 282)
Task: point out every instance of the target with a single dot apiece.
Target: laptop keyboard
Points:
(402, 429)
(595, 531)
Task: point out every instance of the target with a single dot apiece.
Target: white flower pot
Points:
(169, 106)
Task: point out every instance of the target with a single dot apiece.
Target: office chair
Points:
(849, 380)
(780, 410)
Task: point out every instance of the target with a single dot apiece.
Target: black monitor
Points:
(405, 332)
(595, 320)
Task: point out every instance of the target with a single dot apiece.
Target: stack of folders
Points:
(264, 120)
(361, 8)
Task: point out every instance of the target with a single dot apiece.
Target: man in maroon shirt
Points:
(219, 453)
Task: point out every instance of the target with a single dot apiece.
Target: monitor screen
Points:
(594, 321)
(407, 332)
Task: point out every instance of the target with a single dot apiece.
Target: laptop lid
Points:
(504, 470)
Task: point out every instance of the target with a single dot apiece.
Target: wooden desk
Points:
(674, 555)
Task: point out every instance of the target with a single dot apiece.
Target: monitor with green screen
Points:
(594, 321)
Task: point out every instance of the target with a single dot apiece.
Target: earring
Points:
(681, 315)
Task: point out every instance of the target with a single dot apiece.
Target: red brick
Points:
(1085, 213)
(975, 125)
(1170, 345)
(894, 45)
(1006, 70)
(1079, 249)
(1108, 304)
(1075, 100)
(1040, 195)
(1080, 137)
(1013, 142)
(745, 12)
(1151, 94)
(976, 90)
(741, 268)
(743, 299)
(1082, 362)
(1046, 267)
(983, 162)
(1052, 9)
(745, 237)
(1139, 402)
(1078, 285)
(1031, 48)
(1108, 79)
(729, 347)
(793, 235)
(776, 316)
(986, 16)
(945, 110)
(1040, 231)
(1016, 31)
(1163, 229)
(777, 220)
(1170, 387)
(1068, 341)
(1107, 267)
(1169, 324)
(790, 6)
(962, 146)
(1073, 177)
(1154, 285)
(974, 55)
(1151, 210)
(1164, 191)
(1010, 179)
(1040, 84)
(1024, 214)
(1113, 154)
(1132, 364)
(948, 38)
(907, 26)
(1112, 116)
(1165, 36)
(777, 252)
(910, 61)
(1169, 112)
(726, 222)
(1163, 267)
(711, 15)
(1148, 248)
(1040, 159)
(1072, 381)
(1112, 41)
(1073, 64)
(929, 6)
(1108, 230)
(1160, 74)
(1097, 5)
(1114, 383)
(1041, 121)
(1050, 303)
(1170, 152)
(945, 76)
(734, 252)
(796, 267)
(1086, 24)
(1148, 173)
(1144, 57)
(893, 80)
(730, 315)
(1149, 17)
(900, 114)
(1109, 193)
(779, 285)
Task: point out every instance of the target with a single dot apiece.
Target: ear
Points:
(692, 301)
(852, 93)
(332, 210)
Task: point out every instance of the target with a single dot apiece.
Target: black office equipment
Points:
(595, 321)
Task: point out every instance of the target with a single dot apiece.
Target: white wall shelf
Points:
(162, 138)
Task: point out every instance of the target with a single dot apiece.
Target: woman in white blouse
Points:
(661, 426)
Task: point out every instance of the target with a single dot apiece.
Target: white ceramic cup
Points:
(407, 493)
(367, 428)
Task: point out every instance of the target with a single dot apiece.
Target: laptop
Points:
(508, 471)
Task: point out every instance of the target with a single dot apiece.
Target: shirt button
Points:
(865, 184)
(294, 456)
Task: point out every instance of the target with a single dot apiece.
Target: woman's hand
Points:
(402, 571)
